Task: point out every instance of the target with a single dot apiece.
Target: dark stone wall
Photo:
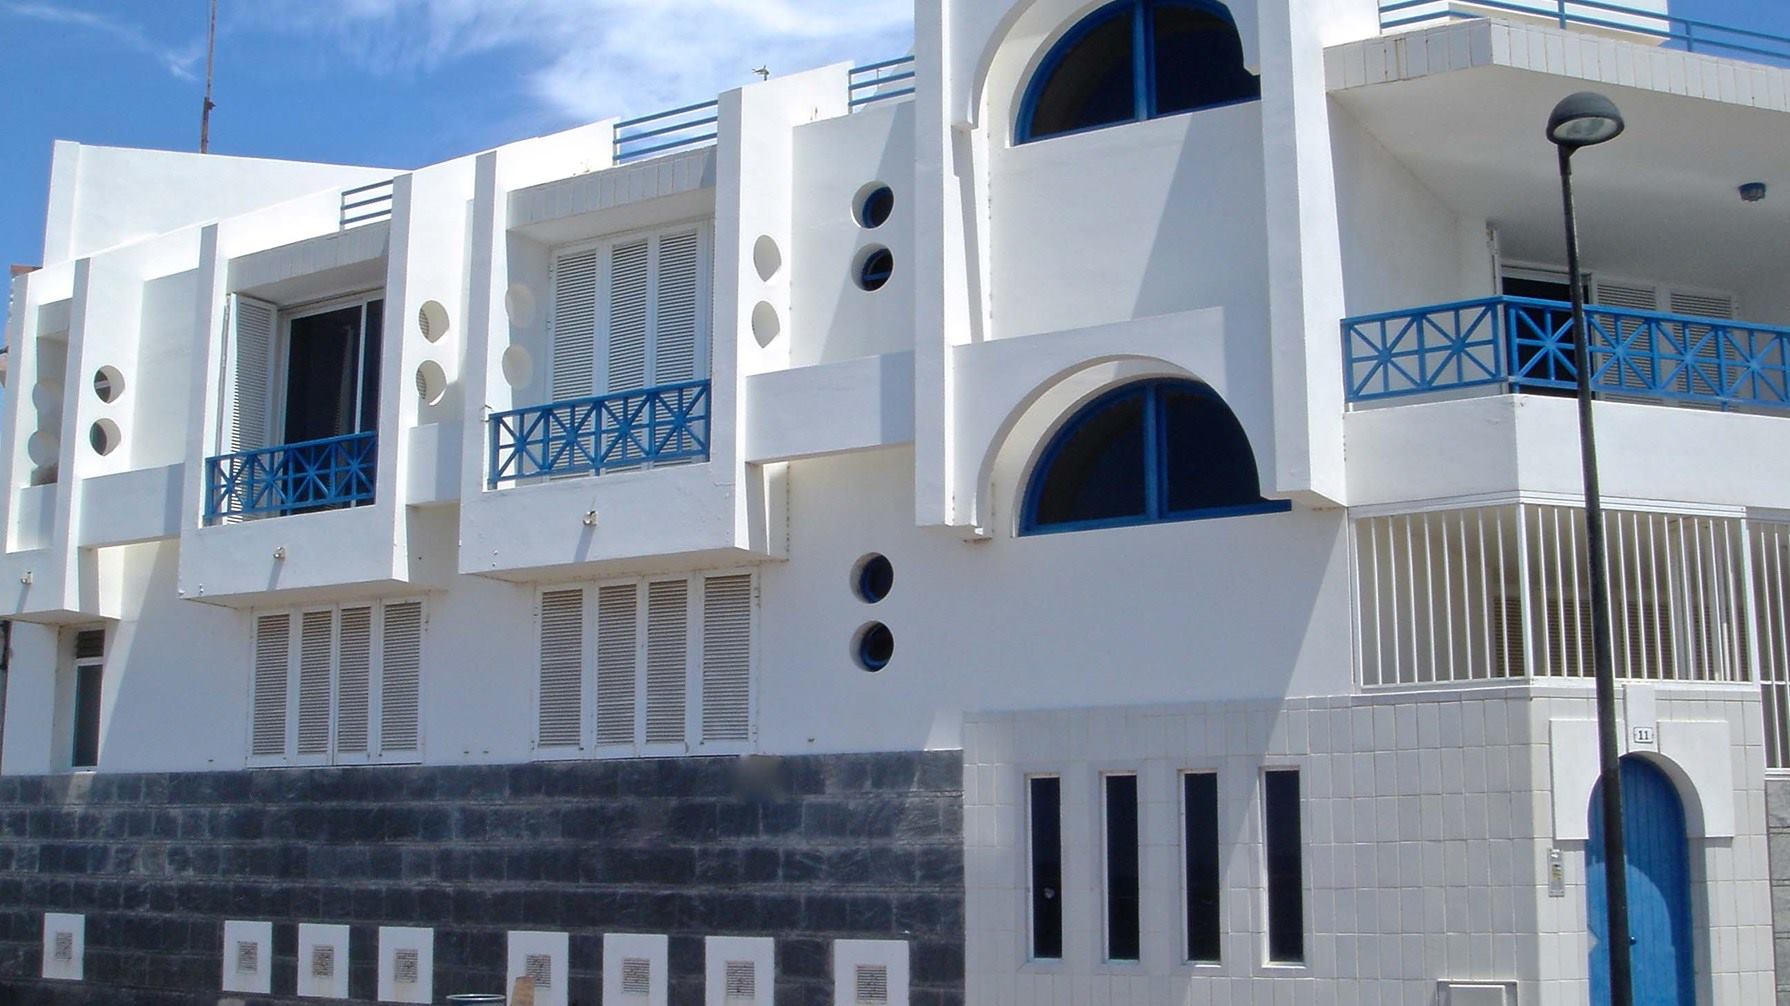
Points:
(806, 850)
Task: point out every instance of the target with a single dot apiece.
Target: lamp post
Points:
(1584, 120)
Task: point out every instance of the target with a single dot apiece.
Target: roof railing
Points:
(884, 81)
(663, 132)
(366, 203)
(1692, 34)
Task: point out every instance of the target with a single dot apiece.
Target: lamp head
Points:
(1584, 119)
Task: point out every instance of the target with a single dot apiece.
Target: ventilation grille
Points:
(323, 961)
(90, 643)
(637, 976)
(726, 658)
(872, 984)
(574, 325)
(741, 981)
(62, 947)
(400, 677)
(667, 641)
(248, 957)
(562, 684)
(617, 635)
(404, 967)
(539, 969)
(353, 681)
(273, 633)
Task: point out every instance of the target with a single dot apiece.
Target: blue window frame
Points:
(1137, 59)
(1145, 453)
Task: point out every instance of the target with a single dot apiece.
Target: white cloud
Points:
(179, 61)
(592, 58)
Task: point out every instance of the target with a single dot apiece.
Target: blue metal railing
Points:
(292, 478)
(604, 432)
(1692, 34)
(1526, 344)
(884, 81)
(366, 204)
(663, 132)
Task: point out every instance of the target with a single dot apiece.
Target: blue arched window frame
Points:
(1156, 509)
(1143, 58)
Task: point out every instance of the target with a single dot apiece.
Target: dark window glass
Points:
(1095, 470)
(876, 577)
(1199, 809)
(1206, 457)
(323, 375)
(1122, 922)
(1090, 80)
(86, 747)
(877, 207)
(1198, 60)
(876, 647)
(369, 380)
(878, 267)
(1286, 883)
(1047, 868)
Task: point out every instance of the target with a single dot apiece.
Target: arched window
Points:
(1137, 59)
(1144, 453)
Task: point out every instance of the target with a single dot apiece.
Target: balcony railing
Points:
(663, 132)
(1689, 34)
(602, 433)
(292, 478)
(884, 81)
(366, 204)
(1526, 345)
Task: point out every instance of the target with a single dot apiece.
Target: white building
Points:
(1157, 405)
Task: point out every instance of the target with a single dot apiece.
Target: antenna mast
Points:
(211, 49)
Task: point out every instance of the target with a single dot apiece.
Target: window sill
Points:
(1213, 513)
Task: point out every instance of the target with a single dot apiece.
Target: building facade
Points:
(1089, 512)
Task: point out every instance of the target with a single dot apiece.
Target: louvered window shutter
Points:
(251, 363)
(400, 678)
(667, 640)
(1703, 305)
(1634, 336)
(617, 637)
(628, 308)
(353, 681)
(726, 658)
(678, 322)
(315, 642)
(560, 716)
(574, 325)
(1704, 373)
(273, 634)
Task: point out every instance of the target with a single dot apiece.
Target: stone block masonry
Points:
(806, 850)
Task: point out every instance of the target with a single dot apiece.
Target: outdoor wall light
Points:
(1753, 192)
(1584, 119)
(279, 554)
(26, 579)
(590, 518)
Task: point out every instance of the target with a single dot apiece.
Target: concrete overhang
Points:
(1464, 107)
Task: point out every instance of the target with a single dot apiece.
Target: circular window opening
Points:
(432, 318)
(108, 384)
(518, 367)
(104, 436)
(876, 202)
(875, 577)
(767, 258)
(876, 647)
(431, 382)
(765, 323)
(875, 268)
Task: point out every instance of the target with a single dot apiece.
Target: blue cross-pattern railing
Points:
(292, 478)
(601, 433)
(884, 81)
(1526, 344)
(1672, 30)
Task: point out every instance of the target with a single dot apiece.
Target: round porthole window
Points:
(875, 266)
(108, 384)
(104, 437)
(432, 320)
(876, 202)
(875, 578)
(876, 647)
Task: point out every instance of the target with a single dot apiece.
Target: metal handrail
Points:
(875, 77)
(698, 117)
(292, 478)
(599, 433)
(381, 197)
(1526, 344)
(1676, 29)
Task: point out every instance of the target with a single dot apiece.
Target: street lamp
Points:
(1585, 120)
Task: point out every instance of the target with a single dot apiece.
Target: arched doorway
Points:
(1659, 890)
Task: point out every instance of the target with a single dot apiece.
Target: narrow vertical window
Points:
(1122, 922)
(1199, 839)
(1047, 868)
(1286, 882)
(90, 647)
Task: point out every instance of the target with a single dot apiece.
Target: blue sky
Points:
(409, 82)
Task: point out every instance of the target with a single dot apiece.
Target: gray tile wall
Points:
(1777, 823)
(806, 850)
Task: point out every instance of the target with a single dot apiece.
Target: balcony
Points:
(1520, 344)
(292, 478)
(1689, 34)
(590, 436)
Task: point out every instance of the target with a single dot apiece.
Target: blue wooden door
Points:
(1659, 890)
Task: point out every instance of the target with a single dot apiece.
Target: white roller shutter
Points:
(400, 678)
(273, 637)
(561, 698)
(574, 324)
(667, 660)
(726, 658)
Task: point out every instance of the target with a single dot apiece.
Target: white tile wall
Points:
(1428, 821)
